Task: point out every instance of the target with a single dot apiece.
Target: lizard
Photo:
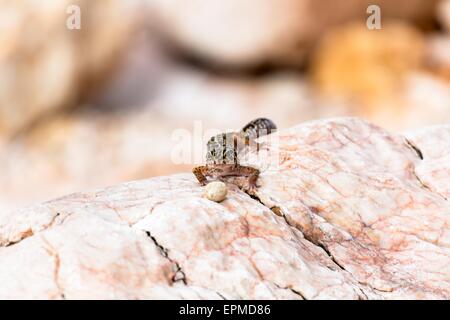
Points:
(222, 153)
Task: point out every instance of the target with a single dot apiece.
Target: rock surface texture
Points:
(344, 210)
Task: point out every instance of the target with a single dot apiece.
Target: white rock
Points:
(216, 191)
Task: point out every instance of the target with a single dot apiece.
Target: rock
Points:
(385, 76)
(443, 12)
(414, 106)
(93, 148)
(249, 33)
(370, 66)
(45, 66)
(344, 210)
(433, 172)
(216, 191)
(437, 57)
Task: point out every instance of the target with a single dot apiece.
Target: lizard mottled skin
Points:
(222, 153)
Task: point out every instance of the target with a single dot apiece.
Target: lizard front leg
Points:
(200, 173)
(251, 173)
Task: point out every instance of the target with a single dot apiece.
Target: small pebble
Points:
(216, 191)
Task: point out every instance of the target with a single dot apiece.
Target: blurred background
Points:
(82, 109)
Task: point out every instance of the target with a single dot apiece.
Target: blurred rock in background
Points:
(88, 108)
(439, 44)
(437, 55)
(391, 76)
(45, 66)
(443, 12)
(369, 65)
(246, 33)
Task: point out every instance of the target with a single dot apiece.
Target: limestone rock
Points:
(346, 210)
(252, 32)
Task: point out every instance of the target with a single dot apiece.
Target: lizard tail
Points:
(258, 127)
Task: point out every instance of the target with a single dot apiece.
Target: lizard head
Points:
(222, 149)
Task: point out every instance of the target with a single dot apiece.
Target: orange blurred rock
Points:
(367, 65)
(396, 77)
